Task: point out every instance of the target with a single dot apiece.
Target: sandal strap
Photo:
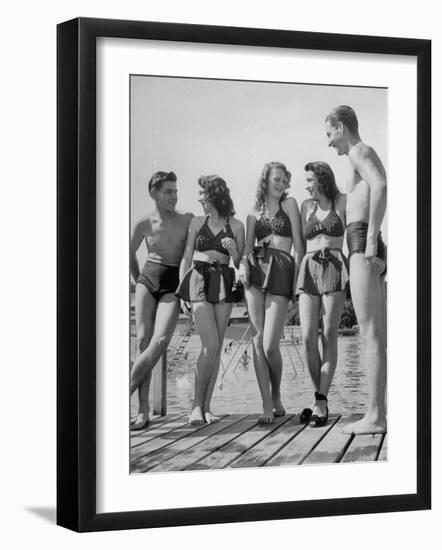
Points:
(320, 397)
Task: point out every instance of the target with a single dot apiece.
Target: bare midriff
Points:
(211, 256)
(324, 241)
(277, 241)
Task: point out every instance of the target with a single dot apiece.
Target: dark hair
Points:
(326, 178)
(346, 115)
(157, 180)
(217, 193)
(263, 182)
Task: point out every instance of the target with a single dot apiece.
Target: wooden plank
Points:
(186, 459)
(159, 386)
(299, 447)
(152, 459)
(363, 448)
(332, 447)
(163, 441)
(263, 451)
(140, 437)
(234, 449)
(383, 453)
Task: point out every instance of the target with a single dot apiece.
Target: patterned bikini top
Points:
(206, 240)
(331, 225)
(278, 225)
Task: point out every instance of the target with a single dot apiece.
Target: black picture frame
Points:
(76, 273)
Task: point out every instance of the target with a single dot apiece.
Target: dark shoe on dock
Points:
(316, 420)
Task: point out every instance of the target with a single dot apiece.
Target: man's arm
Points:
(370, 168)
(135, 242)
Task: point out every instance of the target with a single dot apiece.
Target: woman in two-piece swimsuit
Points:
(267, 270)
(322, 283)
(207, 283)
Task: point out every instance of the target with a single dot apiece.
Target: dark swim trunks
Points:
(357, 240)
(159, 279)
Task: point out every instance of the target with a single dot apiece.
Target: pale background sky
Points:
(199, 127)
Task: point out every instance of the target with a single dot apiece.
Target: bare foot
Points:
(267, 417)
(140, 421)
(278, 408)
(196, 417)
(365, 426)
(211, 418)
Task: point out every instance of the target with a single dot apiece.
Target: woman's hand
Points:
(230, 245)
(244, 273)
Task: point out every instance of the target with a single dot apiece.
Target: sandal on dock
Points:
(316, 420)
(305, 416)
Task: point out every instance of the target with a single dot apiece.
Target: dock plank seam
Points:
(156, 453)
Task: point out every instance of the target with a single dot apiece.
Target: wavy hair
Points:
(157, 180)
(218, 194)
(261, 191)
(326, 179)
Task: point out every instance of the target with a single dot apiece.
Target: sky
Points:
(200, 127)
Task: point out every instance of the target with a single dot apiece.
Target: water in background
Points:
(236, 390)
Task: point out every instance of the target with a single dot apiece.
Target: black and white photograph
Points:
(258, 274)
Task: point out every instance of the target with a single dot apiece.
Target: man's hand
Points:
(371, 250)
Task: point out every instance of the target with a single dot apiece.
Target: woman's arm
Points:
(341, 207)
(239, 241)
(297, 232)
(248, 247)
(194, 226)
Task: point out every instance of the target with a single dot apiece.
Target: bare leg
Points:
(309, 311)
(333, 305)
(255, 305)
(275, 318)
(368, 295)
(205, 321)
(222, 316)
(145, 309)
(165, 322)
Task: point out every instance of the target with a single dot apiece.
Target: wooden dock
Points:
(170, 443)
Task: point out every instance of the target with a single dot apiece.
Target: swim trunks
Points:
(271, 270)
(357, 241)
(159, 279)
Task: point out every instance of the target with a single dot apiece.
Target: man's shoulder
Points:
(145, 221)
(185, 217)
(360, 152)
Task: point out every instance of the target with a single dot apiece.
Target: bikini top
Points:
(331, 225)
(278, 225)
(206, 240)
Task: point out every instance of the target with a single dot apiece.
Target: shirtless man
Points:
(156, 306)
(366, 206)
